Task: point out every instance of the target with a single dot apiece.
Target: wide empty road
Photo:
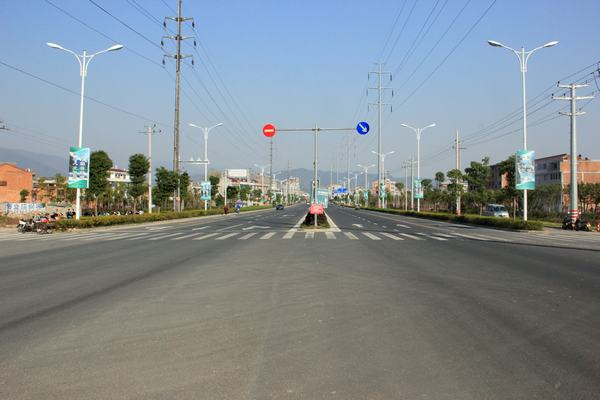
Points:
(250, 306)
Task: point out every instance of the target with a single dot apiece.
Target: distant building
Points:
(498, 180)
(12, 180)
(118, 175)
(557, 170)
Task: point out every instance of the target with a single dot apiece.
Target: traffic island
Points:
(309, 222)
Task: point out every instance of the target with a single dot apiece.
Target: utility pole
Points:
(573, 211)
(412, 183)
(405, 167)
(178, 57)
(379, 104)
(271, 169)
(458, 165)
(150, 130)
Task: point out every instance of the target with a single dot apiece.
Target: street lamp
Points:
(418, 131)
(366, 169)
(83, 60)
(382, 156)
(523, 57)
(205, 130)
(262, 178)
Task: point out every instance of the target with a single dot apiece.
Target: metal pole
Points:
(405, 187)
(205, 131)
(150, 129)
(379, 161)
(574, 200)
(83, 72)
(419, 166)
(315, 172)
(412, 184)
(523, 72)
(458, 199)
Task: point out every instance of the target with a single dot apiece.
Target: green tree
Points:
(138, 167)
(232, 193)
(166, 185)
(455, 187)
(24, 193)
(61, 187)
(545, 199)
(439, 178)
(478, 176)
(214, 185)
(245, 192)
(100, 163)
(509, 193)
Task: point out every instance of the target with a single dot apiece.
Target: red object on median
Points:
(269, 130)
(316, 209)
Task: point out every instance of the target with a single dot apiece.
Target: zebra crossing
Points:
(203, 235)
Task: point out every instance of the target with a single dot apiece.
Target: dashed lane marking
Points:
(411, 236)
(247, 236)
(371, 236)
(227, 236)
(205, 236)
(350, 235)
(268, 235)
(391, 236)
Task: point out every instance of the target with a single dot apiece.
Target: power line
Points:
(119, 109)
(487, 10)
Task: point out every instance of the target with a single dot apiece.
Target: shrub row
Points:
(469, 219)
(92, 222)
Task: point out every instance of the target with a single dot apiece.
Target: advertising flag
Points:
(205, 188)
(525, 170)
(79, 167)
(418, 189)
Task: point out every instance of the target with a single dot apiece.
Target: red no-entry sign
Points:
(269, 130)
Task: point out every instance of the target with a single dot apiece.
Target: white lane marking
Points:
(124, 236)
(202, 227)
(390, 236)
(384, 227)
(411, 236)
(226, 236)
(165, 236)
(157, 228)
(268, 235)
(470, 237)
(229, 227)
(248, 236)
(329, 235)
(289, 235)
(357, 225)
(205, 236)
(98, 236)
(187, 236)
(431, 237)
(350, 235)
(371, 236)
(309, 235)
(444, 235)
(254, 226)
(403, 226)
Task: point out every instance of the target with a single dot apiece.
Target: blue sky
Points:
(294, 64)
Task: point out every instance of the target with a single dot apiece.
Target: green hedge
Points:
(469, 219)
(92, 222)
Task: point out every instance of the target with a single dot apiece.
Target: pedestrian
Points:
(225, 209)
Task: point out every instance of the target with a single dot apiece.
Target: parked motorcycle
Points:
(580, 225)
(25, 226)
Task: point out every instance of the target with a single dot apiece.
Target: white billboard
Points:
(237, 173)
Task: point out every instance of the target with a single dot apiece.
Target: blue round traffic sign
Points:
(362, 128)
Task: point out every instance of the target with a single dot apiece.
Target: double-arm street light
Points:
(205, 130)
(523, 57)
(262, 178)
(418, 131)
(381, 184)
(366, 169)
(83, 60)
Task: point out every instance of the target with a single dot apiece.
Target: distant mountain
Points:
(41, 164)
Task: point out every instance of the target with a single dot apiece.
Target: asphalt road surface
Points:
(250, 306)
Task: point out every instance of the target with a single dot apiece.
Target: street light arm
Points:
(77, 56)
(409, 127)
(216, 125)
(111, 48)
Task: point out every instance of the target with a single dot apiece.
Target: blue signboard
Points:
(362, 128)
(341, 190)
